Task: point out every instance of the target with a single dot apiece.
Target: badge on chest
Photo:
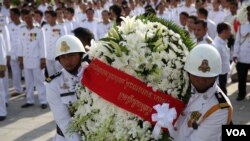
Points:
(194, 117)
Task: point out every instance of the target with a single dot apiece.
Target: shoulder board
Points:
(208, 40)
(49, 79)
(222, 100)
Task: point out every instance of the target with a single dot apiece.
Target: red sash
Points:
(125, 91)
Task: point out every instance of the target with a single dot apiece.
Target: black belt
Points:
(59, 131)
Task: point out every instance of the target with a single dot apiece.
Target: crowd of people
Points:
(30, 31)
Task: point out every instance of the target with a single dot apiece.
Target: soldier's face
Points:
(28, 19)
(199, 31)
(71, 61)
(202, 84)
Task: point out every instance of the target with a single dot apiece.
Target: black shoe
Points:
(26, 105)
(44, 106)
(15, 94)
(239, 98)
(2, 118)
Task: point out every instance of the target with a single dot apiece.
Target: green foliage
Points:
(187, 40)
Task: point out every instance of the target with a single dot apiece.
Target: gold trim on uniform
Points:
(204, 67)
(64, 47)
(194, 117)
(209, 41)
(2, 67)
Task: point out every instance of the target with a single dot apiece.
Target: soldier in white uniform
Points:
(188, 7)
(14, 29)
(90, 23)
(200, 32)
(220, 42)
(61, 86)
(103, 26)
(6, 39)
(51, 33)
(31, 56)
(3, 67)
(208, 108)
(202, 13)
(70, 23)
(241, 55)
(4, 11)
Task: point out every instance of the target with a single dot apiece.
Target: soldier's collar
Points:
(208, 94)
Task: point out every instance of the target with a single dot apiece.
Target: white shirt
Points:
(4, 15)
(42, 7)
(102, 29)
(70, 26)
(167, 15)
(2, 52)
(221, 46)
(80, 17)
(14, 31)
(211, 27)
(31, 47)
(91, 25)
(190, 10)
(217, 16)
(206, 40)
(6, 37)
(210, 128)
(231, 19)
(242, 44)
(50, 36)
(62, 84)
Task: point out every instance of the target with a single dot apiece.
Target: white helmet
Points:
(204, 60)
(68, 44)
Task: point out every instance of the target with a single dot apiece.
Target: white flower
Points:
(146, 50)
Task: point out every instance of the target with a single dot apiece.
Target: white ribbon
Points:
(163, 118)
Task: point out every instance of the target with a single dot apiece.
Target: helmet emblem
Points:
(64, 47)
(204, 67)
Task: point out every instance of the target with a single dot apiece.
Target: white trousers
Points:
(35, 78)
(58, 138)
(53, 66)
(6, 87)
(16, 75)
(3, 111)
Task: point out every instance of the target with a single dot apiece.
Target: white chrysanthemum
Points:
(150, 52)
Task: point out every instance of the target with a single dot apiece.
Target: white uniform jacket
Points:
(210, 129)
(205, 40)
(242, 44)
(31, 47)
(50, 36)
(6, 37)
(14, 31)
(3, 110)
(2, 51)
(221, 46)
(60, 93)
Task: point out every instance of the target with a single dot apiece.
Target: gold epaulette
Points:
(49, 79)
(209, 41)
(2, 67)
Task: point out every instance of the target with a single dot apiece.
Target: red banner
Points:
(125, 91)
